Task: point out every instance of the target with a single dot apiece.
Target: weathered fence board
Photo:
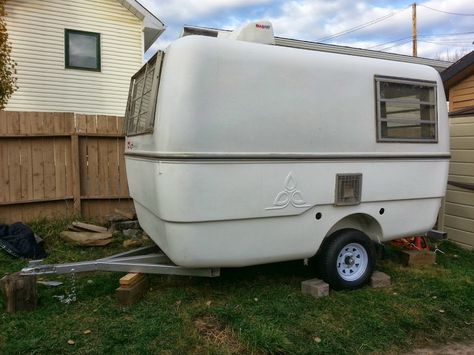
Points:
(60, 164)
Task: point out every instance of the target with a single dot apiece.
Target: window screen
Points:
(82, 50)
(406, 110)
(140, 113)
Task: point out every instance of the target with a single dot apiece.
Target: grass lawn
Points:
(248, 310)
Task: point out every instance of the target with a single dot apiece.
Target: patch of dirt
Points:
(450, 349)
(221, 336)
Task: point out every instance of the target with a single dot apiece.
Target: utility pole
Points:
(413, 29)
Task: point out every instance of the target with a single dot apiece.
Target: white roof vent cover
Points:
(259, 32)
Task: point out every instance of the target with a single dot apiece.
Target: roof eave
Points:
(460, 70)
(153, 27)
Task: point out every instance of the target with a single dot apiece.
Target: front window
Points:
(140, 112)
(406, 110)
(82, 50)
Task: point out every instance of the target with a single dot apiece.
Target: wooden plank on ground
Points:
(130, 279)
(87, 238)
(90, 227)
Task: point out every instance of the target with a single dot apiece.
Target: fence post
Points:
(76, 174)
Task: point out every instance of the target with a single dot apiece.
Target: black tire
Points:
(346, 259)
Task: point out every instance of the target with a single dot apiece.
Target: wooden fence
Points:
(61, 164)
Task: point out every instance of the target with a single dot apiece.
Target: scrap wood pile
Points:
(122, 222)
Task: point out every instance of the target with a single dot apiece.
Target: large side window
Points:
(82, 50)
(406, 110)
(141, 106)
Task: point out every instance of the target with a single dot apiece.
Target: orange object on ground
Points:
(412, 243)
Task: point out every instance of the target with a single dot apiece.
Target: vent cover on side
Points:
(348, 189)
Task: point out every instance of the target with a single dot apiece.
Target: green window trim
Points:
(67, 64)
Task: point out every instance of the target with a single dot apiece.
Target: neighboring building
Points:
(77, 56)
(458, 82)
(457, 217)
(439, 65)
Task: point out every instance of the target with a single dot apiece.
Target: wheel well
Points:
(359, 221)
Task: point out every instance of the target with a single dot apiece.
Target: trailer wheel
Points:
(347, 259)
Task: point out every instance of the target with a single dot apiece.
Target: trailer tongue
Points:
(150, 260)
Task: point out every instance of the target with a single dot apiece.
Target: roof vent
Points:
(259, 32)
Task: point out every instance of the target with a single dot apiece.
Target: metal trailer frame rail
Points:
(149, 260)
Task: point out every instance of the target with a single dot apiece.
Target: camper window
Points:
(140, 112)
(406, 110)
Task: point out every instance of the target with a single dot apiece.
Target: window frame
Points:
(396, 80)
(157, 59)
(67, 31)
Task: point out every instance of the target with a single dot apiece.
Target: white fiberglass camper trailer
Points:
(240, 152)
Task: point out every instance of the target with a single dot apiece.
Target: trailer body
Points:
(241, 153)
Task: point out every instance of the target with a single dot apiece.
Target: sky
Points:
(440, 35)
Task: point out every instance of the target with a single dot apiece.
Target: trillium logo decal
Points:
(290, 195)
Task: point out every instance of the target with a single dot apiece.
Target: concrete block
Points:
(417, 257)
(128, 295)
(380, 279)
(315, 287)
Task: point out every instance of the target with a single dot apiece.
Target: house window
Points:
(142, 96)
(406, 110)
(82, 50)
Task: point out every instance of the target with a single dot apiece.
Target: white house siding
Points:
(36, 31)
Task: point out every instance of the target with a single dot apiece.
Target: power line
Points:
(424, 35)
(459, 44)
(359, 27)
(445, 12)
(396, 45)
(394, 41)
